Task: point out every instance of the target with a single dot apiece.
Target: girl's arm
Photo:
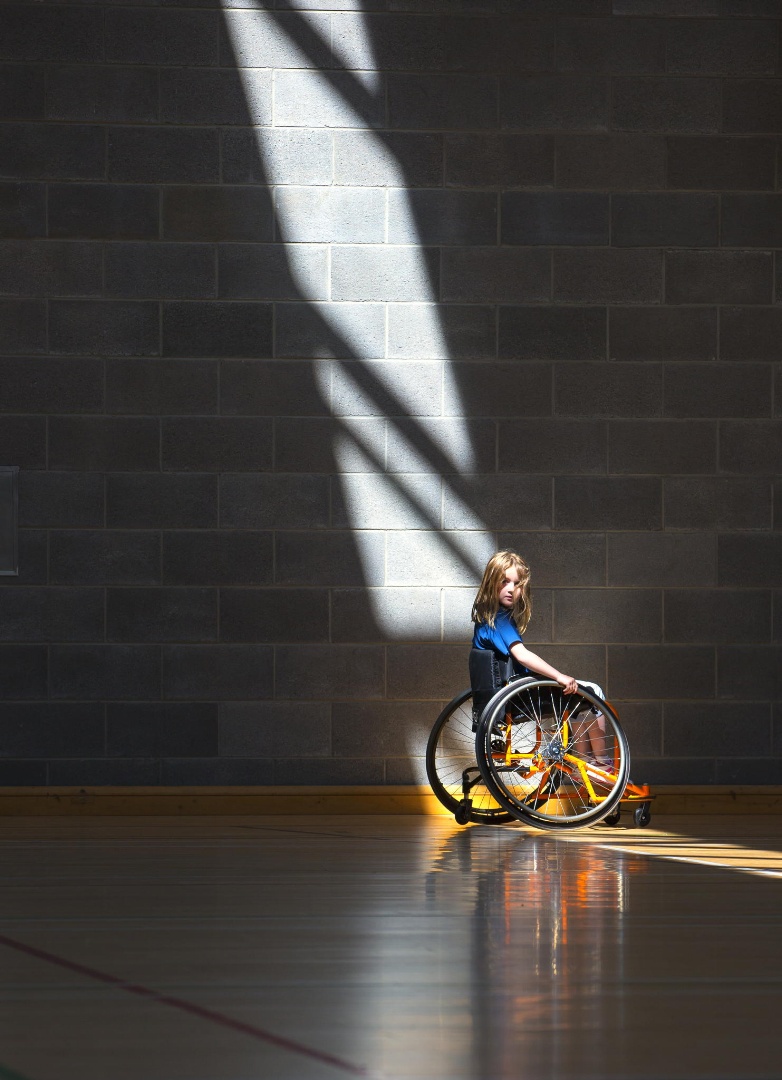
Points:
(536, 663)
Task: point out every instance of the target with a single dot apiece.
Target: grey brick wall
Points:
(306, 306)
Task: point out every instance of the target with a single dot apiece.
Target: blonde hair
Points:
(486, 604)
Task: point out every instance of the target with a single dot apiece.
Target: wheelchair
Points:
(534, 754)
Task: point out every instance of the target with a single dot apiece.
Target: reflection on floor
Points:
(290, 949)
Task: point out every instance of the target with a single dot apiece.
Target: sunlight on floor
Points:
(698, 841)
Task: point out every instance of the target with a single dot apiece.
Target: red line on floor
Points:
(9, 1074)
(187, 1007)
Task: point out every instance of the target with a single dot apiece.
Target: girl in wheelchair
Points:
(501, 613)
(527, 742)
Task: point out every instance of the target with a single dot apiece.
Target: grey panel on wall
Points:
(9, 513)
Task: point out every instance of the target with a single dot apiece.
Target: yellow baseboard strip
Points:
(186, 801)
(717, 800)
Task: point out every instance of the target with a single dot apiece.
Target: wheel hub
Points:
(554, 753)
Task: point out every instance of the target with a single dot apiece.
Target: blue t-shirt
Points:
(499, 637)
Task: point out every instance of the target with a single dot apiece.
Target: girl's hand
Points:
(569, 685)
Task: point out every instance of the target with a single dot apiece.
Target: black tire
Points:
(451, 750)
(612, 818)
(642, 815)
(462, 814)
(544, 781)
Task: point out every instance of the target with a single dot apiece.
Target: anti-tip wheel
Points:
(612, 818)
(642, 815)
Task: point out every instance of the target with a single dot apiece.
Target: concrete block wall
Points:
(306, 306)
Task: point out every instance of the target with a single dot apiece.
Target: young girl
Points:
(501, 613)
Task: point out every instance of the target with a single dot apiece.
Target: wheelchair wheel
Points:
(548, 758)
(642, 815)
(453, 771)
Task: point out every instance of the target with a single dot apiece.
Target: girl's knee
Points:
(595, 689)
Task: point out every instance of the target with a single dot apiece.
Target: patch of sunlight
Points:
(384, 352)
(719, 853)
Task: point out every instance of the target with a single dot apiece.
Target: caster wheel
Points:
(462, 813)
(642, 816)
(612, 818)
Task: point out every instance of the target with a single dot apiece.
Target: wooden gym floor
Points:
(255, 948)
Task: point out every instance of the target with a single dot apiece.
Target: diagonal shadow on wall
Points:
(326, 335)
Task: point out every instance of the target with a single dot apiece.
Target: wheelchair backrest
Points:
(488, 673)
